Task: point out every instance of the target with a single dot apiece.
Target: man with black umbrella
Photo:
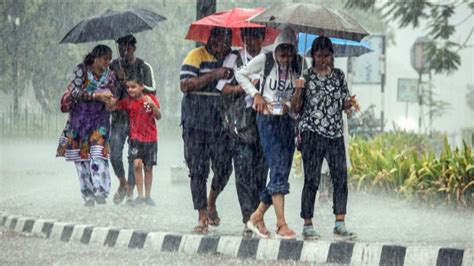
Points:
(126, 66)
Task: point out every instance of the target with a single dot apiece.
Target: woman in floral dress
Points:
(87, 132)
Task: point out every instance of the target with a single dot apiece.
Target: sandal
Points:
(256, 229)
(284, 232)
(214, 219)
(201, 228)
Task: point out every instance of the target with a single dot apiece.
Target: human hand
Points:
(299, 83)
(259, 104)
(352, 103)
(121, 74)
(102, 96)
(223, 73)
(148, 104)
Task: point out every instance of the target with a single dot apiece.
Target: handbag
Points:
(66, 100)
(238, 120)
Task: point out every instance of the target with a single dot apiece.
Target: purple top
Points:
(89, 115)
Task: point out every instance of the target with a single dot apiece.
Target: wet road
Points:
(35, 183)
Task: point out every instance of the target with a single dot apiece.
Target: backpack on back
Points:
(238, 120)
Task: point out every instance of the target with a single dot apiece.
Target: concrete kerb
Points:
(354, 253)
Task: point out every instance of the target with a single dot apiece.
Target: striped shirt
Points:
(200, 110)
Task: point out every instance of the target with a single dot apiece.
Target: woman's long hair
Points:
(98, 51)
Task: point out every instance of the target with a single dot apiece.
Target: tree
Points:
(444, 53)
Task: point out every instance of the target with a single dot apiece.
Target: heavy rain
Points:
(237, 132)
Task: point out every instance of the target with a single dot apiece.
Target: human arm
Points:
(190, 80)
(196, 83)
(243, 77)
(296, 100)
(149, 79)
(153, 103)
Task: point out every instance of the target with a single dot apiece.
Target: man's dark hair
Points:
(252, 32)
(128, 40)
(219, 31)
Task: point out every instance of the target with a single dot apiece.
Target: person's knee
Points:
(137, 165)
(148, 169)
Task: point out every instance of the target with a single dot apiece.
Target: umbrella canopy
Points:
(342, 47)
(112, 25)
(313, 19)
(234, 19)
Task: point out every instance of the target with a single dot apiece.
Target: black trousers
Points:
(314, 148)
(202, 151)
(250, 175)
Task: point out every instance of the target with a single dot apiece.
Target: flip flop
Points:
(214, 219)
(286, 236)
(201, 228)
(256, 230)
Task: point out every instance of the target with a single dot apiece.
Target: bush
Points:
(404, 164)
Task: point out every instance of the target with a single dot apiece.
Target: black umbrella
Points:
(112, 25)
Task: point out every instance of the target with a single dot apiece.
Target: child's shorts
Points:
(146, 151)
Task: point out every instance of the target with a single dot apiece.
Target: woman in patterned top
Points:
(320, 100)
(86, 135)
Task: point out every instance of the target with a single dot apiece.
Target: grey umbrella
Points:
(112, 25)
(313, 19)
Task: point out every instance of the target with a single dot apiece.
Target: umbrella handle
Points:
(119, 60)
(304, 51)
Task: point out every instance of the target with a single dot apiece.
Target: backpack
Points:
(238, 120)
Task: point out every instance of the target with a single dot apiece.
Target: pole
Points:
(431, 103)
(420, 103)
(15, 69)
(204, 8)
(382, 84)
(406, 111)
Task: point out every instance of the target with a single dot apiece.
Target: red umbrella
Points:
(234, 19)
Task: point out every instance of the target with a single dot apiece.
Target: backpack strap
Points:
(238, 62)
(269, 62)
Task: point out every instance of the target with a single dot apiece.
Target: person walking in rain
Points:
(143, 109)
(128, 65)
(320, 99)
(247, 154)
(88, 131)
(275, 126)
(205, 141)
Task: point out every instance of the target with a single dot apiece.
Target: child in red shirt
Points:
(142, 110)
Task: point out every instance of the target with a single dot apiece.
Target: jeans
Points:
(277, 139)
(250, 175)
(203, 150)
(314, 148)
(118, 135)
